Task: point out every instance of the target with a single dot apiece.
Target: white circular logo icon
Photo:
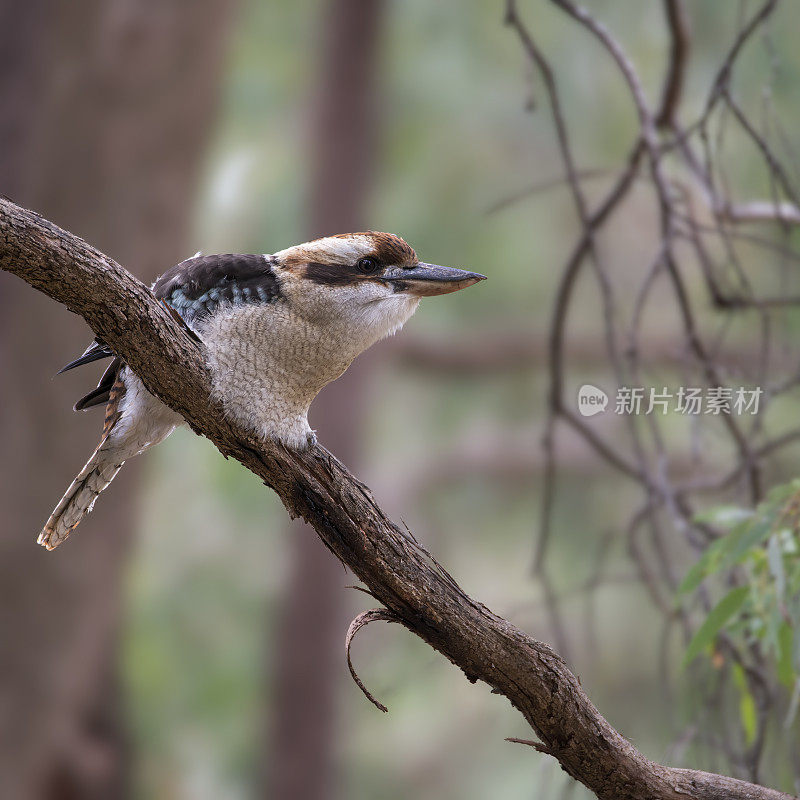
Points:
(591, 400)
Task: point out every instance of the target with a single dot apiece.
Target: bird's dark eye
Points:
(367, 265)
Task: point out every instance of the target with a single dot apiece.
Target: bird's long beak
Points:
(424, 280)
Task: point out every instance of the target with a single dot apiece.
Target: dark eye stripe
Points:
(334, 274)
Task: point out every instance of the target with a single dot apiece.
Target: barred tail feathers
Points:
(134, 422)
(79, 499)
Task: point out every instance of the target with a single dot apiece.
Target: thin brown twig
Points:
(680, 39)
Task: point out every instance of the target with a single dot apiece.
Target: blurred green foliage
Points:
(760, 554)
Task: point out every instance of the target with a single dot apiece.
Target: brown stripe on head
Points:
(387, 248)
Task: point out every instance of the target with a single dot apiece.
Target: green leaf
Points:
(788, 541)
(773, 620)
(775, 560)
(793, 705)
(724, 516)
(796, 652)
(718, 616)
(747, 705)
(747, 535)
(727, 550)
(747, 714)
(785, 670)
(697, 573)
(702, 568)
(783, 491)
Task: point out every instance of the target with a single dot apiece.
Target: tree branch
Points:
(401, 574)
(680, 39)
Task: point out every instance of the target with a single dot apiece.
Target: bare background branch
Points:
(702, 250)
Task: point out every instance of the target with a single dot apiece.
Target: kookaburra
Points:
(276, 329)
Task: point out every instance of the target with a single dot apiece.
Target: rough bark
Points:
(104, 113)
(341, 137)
(398, 572)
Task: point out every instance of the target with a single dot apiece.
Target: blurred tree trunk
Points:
(104, 114)
(308, 647)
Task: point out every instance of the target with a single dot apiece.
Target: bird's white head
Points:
(369, 283)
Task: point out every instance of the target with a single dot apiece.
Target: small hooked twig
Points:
(355, 626)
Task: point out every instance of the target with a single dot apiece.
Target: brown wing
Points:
(195, 287)
(188, 290)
